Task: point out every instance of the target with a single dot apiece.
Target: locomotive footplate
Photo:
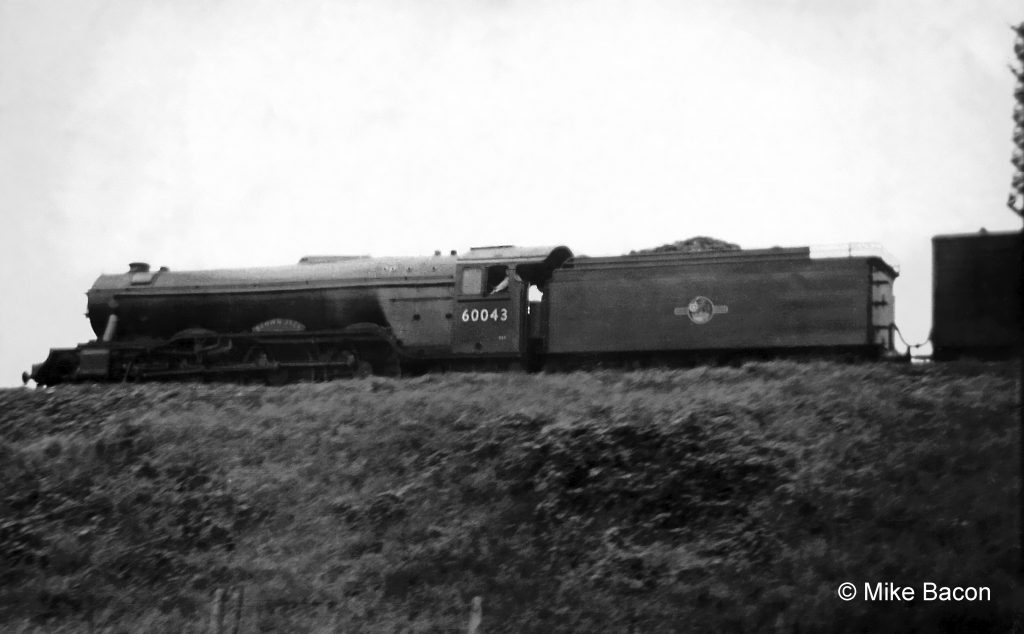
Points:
(276, 357)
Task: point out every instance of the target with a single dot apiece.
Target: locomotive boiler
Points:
(490, 308)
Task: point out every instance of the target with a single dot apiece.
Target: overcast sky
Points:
(198, 134)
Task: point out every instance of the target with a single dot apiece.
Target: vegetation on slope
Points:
(663, 500)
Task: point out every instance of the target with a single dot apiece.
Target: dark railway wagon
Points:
(772, 300)
(976, 309)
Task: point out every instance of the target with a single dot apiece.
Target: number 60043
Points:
(483, 314)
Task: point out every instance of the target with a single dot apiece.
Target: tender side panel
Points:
(711, 305)
(977, 292)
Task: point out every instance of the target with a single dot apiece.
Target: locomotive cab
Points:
(492, 317)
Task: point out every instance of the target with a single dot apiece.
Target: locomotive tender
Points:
(336, 316)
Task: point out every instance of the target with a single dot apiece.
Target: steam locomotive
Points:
(491, 308)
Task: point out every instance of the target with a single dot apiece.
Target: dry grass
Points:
(698, 500)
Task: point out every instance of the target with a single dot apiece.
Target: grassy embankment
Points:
(700, 500)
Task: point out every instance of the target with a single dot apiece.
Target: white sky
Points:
(203, 134)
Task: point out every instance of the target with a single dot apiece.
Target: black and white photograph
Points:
(511, 316)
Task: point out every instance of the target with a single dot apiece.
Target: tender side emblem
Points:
(700, 310)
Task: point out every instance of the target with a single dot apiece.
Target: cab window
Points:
(472, 282)
(497, 280)
(486, 281)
